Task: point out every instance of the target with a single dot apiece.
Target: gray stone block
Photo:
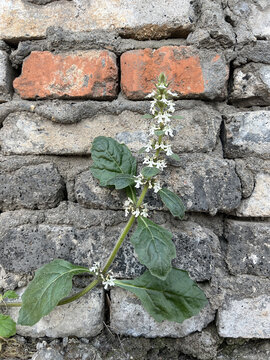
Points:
(81, 318)
(26, 133)
(128, 317)
(31, 187)
(245, 318)
(30, 239)
(251, 85)
(205, 183)
(248, 134)
(6, 77)
(258, 204)
(248, 247)
(136, 19)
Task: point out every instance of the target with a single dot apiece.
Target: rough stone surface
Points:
(248, 134)
(212, 28)
(251, 85)
(250, 18)
(91, 74)
(23, 20)
(205, 183)
(71, 232)
(258, 204)
(246, 318)
(26, 133)
(248, 247)
(193, 73)
(82, 318)
(31, 187)
(252, 350)
(258, 52)
(202, 345)
(6, 77)
(129, 318)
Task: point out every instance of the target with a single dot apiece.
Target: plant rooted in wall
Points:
(165, 292)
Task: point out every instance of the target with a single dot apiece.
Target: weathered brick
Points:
(90, 74)
(6, 77)
(23, 20)
(193, 73)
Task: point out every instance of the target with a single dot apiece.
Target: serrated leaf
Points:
(159, 132)
(154, 247)
(149, 172)
(173, 203)
(148, 116)
(52, 283)
(121, 181)
(175, 157)
(111, 158)
(7, 326)
(175, 299)
(10, 294)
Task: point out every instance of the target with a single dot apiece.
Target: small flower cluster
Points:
(130, 207)
(107, 280)
(152, 183)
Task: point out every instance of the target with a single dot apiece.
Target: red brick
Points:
(90, 74)
(192, 73)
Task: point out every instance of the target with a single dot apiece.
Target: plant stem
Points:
(108, 263)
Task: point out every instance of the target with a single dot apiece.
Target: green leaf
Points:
(121, 181)
(149, 172)
(52, 283)
(147, 116)
(175, 299)
(7, 326)
(10, 294)
(110, 159)
(173, 203)
(159, 132)
(177, 117)
(175, 157)
(142, 150)
(154, 247)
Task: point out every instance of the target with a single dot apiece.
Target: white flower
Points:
(95, 268)
(169, 150)
(152, 94)
(157, 186)
(149, 161)
(109, 281)
(139, 181)
(128, 206)
(161, 164)
(161, 146)
(168, 131)
(153, 129)
(171, 107)
(153, 106)
(136, 212)
(144, 211)
(149, 147)
(171, 93)
(162, 86)
(166, 117)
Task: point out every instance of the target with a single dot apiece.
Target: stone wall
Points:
(71, 70)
